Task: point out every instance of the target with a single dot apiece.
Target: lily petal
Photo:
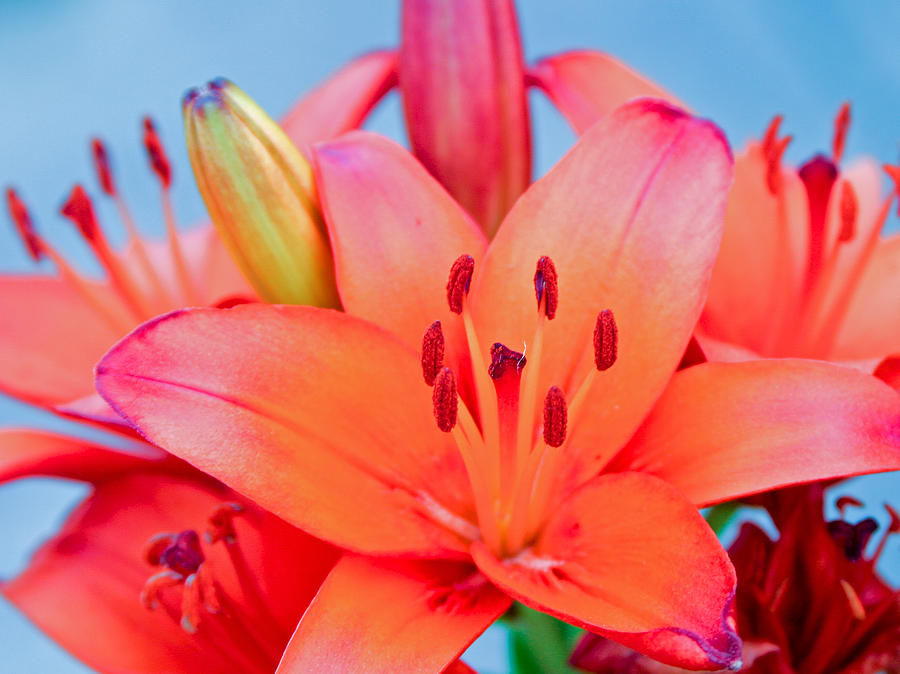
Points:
(320, 417)
(343, 101)
(26, 453)
(395, 233)
(384, 617)
(872, 324)
(463, 84)
(82, 587)
(724, 430)
(586, 85)
(51, 338)
(762, 261)
(596, 564)
(631, 217)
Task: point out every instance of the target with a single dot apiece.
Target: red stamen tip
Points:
(101, 165)
(458, 283)
(841, 125)
(895, 519)
(606, 340)
(445, 400)
(774, 154)
(159, 162)
(79, 209)
(22, 219)
(849, 210)
(221, 523)
(546, 286)
(502, 359)
(555, 417)
(432, 352)
(771, 133)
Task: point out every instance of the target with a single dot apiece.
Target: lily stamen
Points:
(161, 167)
(107, 183)
(514, 452)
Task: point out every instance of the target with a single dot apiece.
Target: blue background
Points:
(70, 70)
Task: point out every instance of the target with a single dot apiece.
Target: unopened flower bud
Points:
(260, 194)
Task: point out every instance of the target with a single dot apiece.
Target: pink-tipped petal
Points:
(318, 416)
(629, 557)
(383, 617)
(39, 454)
(631, 218)
(724, 430)
(463, 85)
(585, 85)
(343, 101)
(395, 233)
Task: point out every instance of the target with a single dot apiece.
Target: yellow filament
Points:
(181, 269)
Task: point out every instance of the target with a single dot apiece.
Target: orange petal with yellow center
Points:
(631, 217)
(585, 85)
(629, 557)
(320, 417)
(724, 430)
(343, 101)
(383, 617)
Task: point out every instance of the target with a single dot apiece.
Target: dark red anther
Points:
(156, 546)
(852, 537)
(432, 352)
(555, 417)
(221, 523)
(546, 286)
(79, 209)
(101, 165)
(458, 283)
(159, 162)
(849, 211)
(184, 556)
(22, 219)
(445, 400)
(503, 359)
(841, 125)
(606, 340)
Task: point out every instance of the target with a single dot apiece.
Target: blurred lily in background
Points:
(803, 257)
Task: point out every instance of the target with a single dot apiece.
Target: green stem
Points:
(538, 642)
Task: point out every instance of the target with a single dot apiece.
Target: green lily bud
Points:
(260, 193)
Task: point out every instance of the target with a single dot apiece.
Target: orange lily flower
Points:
(220, 587)
(802, 256)
(322, 417)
